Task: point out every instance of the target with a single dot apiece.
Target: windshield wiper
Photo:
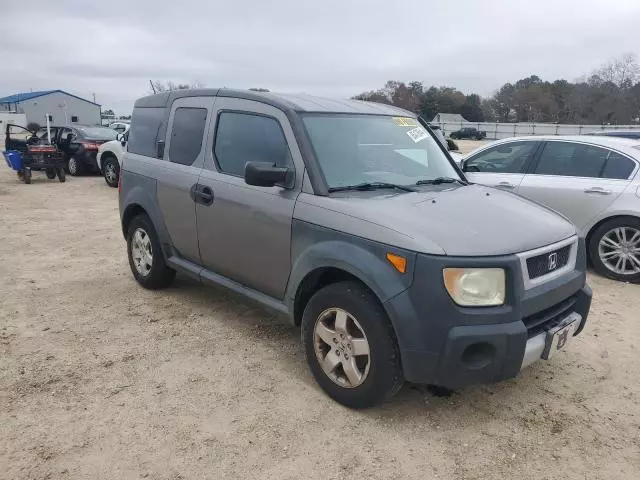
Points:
(439, 180)
(371, 186)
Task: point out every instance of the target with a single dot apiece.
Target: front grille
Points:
(549, 317)
(548, 262)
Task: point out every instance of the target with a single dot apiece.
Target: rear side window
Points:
(244, 137)
(618, 167)
(146, 129)
(505, 158)
(186, 134)
(572, 160)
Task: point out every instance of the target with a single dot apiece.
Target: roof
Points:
(294, 102)
(21, 97)
(449, 118)
(628, 145)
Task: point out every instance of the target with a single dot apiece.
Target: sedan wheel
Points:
(619, 250)
(74, 166)
(614, 249)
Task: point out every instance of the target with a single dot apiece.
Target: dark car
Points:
(469, 132)
(633, 134)
(79, 144)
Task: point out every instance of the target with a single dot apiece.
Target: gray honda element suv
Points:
(351, 220)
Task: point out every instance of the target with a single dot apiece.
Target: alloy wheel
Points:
(619, 250)
(341, 347)
(110, 172)
(141, 252)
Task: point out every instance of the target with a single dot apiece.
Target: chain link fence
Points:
(496, 131)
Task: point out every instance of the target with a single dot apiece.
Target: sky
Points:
(335, 48)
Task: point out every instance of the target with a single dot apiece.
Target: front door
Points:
(178, 174)
(576, 179)
(502, 166)
(245, 232)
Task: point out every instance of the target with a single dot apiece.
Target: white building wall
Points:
(62, 108)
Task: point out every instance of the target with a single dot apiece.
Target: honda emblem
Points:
(552, 261)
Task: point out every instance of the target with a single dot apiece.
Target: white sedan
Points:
(592, 180)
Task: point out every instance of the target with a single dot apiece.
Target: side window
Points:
(505, 158)
(146, 128)
(245, 137)
(618, 167)
(571, 160)
(186, 134)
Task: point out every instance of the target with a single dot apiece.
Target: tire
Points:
(617, 230)
(75, 167)
(382, 378)
(155, 273)
(26, 176)
(62, 177)
(453, 136)
(111, 170)
(51, 174)
(451, 145)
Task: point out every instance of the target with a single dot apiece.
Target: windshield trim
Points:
(308, 150)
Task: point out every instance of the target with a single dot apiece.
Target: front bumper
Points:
(444, 344)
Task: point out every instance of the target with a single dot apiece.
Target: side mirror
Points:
(120, 137)
(265, 174)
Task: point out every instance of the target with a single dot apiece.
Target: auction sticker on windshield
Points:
(417, 134)
(405, 121)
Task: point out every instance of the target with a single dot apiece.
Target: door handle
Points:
(205, 194)
(598, 190)
(506, 185)
(201, 194)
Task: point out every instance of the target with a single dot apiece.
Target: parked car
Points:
(109, 158)
(351, 221)
(79, 144)
(120, 127)
(633, 134)
(590, 179)
(468, 132)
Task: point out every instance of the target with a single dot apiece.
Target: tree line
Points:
(609, 95)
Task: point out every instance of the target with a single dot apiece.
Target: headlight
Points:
(475, 287)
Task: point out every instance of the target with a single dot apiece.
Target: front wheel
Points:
(75, 167)
(614, 249)
(350, 345)
(145, 255)
(111, 170)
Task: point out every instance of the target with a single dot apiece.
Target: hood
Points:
(445, 219)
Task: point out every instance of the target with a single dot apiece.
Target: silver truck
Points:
(351, 220)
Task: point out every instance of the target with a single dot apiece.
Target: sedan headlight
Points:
(475, 287)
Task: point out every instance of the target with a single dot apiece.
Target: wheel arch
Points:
(328, 262)
(604, 220)
(103, 156)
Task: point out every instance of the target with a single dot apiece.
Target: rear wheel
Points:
(145, 255)
(350, 345)
(61, 175)
(614, 249)
(26, 176)
(111, 170)
(75, 167)
(51, 173)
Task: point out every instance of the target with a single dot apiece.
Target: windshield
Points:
(98, 133)
(355, 149)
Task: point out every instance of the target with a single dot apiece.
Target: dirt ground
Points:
(101, 379)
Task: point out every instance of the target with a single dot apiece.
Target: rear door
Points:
(502, 166)
(577, 179)
(178, 174)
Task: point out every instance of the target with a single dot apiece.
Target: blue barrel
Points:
(14, 159)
